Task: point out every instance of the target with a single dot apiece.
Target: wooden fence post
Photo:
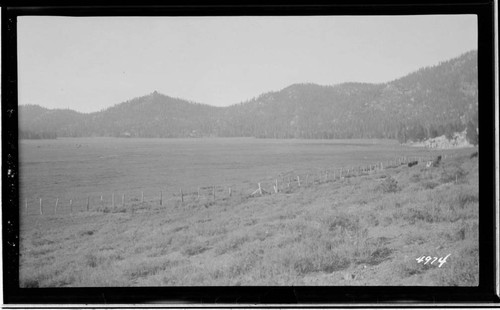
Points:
(41, 211)
(142, 196)
(276, 186)
(88, 203)
(298, 181)
(326, 176)
(55, 207)
(113, 200)
(26, 206)
(123, 200)
(213, 192)
(182, 196)
(229, 191)
(198, 193)
(71, 205)
(260, 189)
(161, 197)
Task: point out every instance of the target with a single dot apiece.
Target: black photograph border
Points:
(345, 296)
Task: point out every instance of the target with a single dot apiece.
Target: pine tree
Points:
(472, 135)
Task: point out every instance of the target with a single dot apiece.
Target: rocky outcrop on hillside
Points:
(458, 140)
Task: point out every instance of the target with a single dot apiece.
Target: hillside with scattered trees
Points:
(433, 101)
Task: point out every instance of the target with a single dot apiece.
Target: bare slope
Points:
(367, 230)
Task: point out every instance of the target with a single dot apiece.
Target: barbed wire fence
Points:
(136, 200)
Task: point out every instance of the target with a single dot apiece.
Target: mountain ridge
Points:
(431, 101)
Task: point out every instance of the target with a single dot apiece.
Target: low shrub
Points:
(372, 219)
(466, 198)
(378, 256)
(243, 265)
(320, 263)
(142, 271)
(389, 185)
(372, 251)
(233, 243)
(453, 173)
(29, 283)
(414, 239)
(92, 260)
(412, 215)
(86, 233)
(194, 249)
(342, 223)
(386, 221)
(429, 184)
(415, 177)
(411, 267)
(146, 268)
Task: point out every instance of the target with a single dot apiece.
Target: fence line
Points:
(286, 179)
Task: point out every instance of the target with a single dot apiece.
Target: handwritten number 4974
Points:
(431, 260)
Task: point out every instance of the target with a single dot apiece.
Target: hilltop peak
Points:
(299, 86)
(155, 94)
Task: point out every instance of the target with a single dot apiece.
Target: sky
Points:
(91, 63)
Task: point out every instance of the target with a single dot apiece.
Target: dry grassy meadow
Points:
(363, 230)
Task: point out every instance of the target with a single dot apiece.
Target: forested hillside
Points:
(156, 116)
(36, 122)
(430, 102)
